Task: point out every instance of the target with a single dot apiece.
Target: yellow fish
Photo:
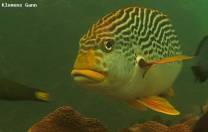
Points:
(132, 54)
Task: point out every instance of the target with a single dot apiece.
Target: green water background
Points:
(38, 47)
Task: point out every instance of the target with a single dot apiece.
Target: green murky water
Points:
(38, 47)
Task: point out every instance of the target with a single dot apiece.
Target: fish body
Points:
(131, 54)
(200, 69)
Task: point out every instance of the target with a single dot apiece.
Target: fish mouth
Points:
(88, 76)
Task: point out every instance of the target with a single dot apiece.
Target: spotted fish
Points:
(132, 54)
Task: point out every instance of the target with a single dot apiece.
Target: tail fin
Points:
(10, 90)
(42, 95)
(199, 73)
(203, 43)
(200, 68)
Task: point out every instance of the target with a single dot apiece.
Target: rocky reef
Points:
(66, 119)
(153, 126)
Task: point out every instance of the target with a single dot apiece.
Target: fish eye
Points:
(108, 45)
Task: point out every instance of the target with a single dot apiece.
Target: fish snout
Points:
(85, 69)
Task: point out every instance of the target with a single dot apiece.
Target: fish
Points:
(15, 91)
(132, 54)
(200, 68)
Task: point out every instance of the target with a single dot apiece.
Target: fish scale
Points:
(151, 31)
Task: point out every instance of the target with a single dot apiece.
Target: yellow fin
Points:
(40, 95)
(135, 104)
(158, 104)
(172, 59)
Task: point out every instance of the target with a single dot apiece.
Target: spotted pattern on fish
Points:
(136, 30)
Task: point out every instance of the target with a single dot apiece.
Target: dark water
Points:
(38, 47)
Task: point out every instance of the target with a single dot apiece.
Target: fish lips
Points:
(87, 76)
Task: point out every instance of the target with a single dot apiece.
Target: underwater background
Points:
(38, 47)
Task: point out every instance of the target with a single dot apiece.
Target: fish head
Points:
(104, 61)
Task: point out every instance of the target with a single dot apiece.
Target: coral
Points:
(150, 126)
(180, 128)
(65, 119)
(190, 122)
(165, 121)
(153, 126)
(201, 125)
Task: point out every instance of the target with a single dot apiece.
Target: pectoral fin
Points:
(158, 104)
(147, 65)
(172, 59)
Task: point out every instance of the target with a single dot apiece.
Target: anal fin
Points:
(158, 104)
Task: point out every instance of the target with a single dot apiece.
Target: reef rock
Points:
(150, 126)
(153, 126)
(65, 119)
(202, 124)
